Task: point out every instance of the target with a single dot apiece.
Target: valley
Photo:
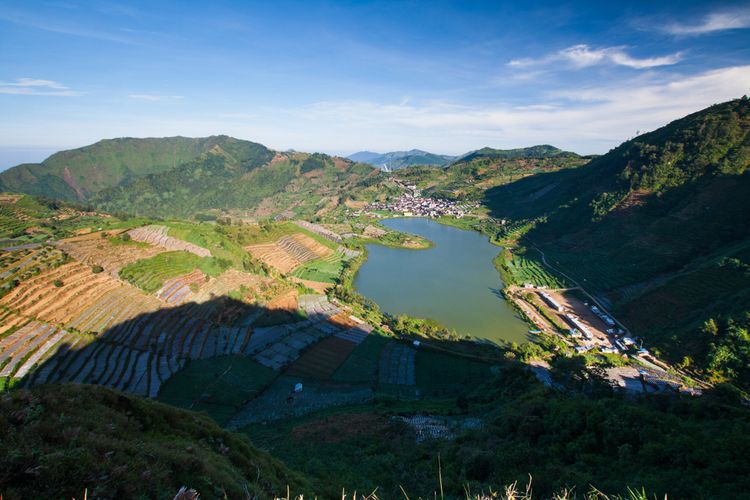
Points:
(294, 299)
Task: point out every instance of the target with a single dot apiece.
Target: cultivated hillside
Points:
(651, 227)
(79, 173)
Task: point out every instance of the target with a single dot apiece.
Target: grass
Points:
(217, 386)
(528, 269)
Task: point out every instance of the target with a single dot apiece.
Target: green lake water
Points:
(453, 282)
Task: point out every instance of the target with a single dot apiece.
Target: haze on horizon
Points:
(340, 77)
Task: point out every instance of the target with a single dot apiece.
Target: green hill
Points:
(79, 173)
(396, 160)
(541, 151)
(241, 177)
(57, 441)
(668, 203)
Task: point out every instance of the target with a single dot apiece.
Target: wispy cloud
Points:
(583, 56)
(154, 97)
(716, 21)
(33, 86)
(63, 29)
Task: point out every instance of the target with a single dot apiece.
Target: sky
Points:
(339, 77)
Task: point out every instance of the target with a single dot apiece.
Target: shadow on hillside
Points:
(138, 353)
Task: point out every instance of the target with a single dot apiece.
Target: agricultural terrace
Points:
(518, 268)
(151, 274)
(157, 235)
(290, 251)
(111, 253)
(20, 265)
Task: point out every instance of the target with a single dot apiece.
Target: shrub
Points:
(96, 269)
(58, 283)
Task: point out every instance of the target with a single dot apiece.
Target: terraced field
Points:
(530, 270)
(325, 270)
(289, 252)
(153, 273)
(157, 235)
(21, 265)
(93, 249)
(180, 289)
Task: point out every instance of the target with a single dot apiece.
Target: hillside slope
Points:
(667, 203)
(53, 445)
(241, 175)
(79, 173)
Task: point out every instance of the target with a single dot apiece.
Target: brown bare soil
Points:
(93, 249)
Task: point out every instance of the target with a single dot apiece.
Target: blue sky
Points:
(340, 77)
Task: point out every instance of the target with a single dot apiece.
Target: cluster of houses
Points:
(414, 205)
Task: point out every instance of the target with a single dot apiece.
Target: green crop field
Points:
(326, 270)
(218, 386)
(362, 363)
(527, 269)
(150, 274)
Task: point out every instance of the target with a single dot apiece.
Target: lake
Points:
(453, 282)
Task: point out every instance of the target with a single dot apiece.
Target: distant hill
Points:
(77, 174)
(241, 175)
(396, 160)
(659, 227)
(532, 152)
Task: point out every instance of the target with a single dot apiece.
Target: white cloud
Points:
(154, 97)
(717, 21)
(586, 120)
(583, 56)
(32, 86)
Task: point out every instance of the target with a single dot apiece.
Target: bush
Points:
(58, 283)
(96, 269)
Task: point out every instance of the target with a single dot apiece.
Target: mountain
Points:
(533, 152)
(241, 175)
(77, 174)
(396, 160)
(659, 227)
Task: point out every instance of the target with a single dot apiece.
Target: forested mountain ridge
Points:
(659, 227)
(77, 174)
(247, 176)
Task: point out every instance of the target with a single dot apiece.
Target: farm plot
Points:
(59, 294)
(279, 401)
(325, 270)
(20, 265)
(92, 249)
(528, 270)
(180, 289)
(362, 365)
(281, 353)
(320, 230)
(317, 307)
(113, 308)
(22, 349)
(397, 364)
(289, 252)
(157, 235)
(150, 274)
(218, 386)
(322, 359)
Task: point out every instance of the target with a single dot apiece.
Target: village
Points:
(412, 204)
